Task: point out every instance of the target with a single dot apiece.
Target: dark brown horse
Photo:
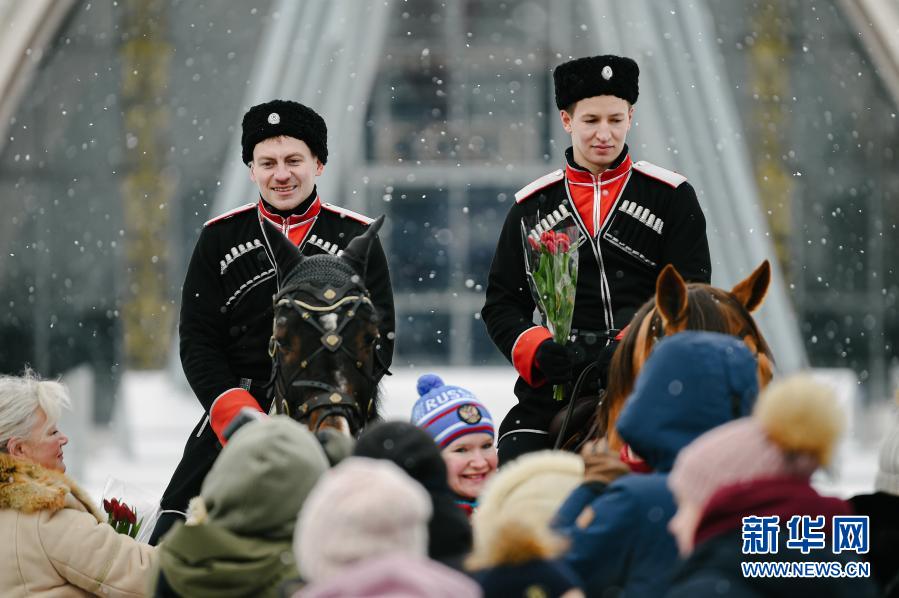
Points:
(679, 306)
(324, 332)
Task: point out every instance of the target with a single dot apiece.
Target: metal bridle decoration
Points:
(328, 398)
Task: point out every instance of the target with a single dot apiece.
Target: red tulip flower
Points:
(553, 271)
(549, 241)
(122, 517)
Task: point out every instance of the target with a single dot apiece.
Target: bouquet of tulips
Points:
(552, 253)
(129, 510)
(122, 517)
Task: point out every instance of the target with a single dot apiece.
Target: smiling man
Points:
(226, 302)
(633, 218)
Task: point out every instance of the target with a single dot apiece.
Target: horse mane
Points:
(374, 406)
(621, 375)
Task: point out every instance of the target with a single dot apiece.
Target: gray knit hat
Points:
(262, 477)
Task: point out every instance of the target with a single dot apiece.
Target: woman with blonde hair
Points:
(56, 541)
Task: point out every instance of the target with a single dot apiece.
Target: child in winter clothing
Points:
(758, 466)
(463, 429)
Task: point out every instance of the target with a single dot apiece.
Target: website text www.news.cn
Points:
(805, 534)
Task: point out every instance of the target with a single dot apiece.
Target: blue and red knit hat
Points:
(448, 412)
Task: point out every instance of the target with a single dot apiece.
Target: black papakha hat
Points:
(283, 117)
(596, 76)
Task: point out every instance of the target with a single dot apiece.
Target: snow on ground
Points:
(157, 413)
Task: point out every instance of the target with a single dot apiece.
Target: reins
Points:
(575, 392)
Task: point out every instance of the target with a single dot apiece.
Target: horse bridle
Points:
(328, 398)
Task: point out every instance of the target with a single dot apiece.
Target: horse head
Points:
(679, 306)
(323, 336)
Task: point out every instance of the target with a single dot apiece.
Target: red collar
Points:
(576, 174)
(294, 219)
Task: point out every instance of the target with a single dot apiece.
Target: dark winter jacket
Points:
(692, 382)
(714, 568)
(226, 313)
(655, 219)
(883, 510)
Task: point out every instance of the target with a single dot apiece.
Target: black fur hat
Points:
(283, 117)
(596, 76)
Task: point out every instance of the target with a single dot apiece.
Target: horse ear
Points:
(671, 296)
(356, 253)
(284, 253)
(751, 291)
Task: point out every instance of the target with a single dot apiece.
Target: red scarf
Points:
(782, 496)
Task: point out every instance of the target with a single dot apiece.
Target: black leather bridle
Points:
(345, 302)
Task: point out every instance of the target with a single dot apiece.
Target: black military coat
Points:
(654, 220)
(226, 313)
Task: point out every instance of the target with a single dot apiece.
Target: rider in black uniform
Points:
(633, 219)
(226, 302)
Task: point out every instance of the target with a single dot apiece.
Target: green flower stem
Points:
(555, 280)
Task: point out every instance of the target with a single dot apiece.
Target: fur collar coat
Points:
(56, 542)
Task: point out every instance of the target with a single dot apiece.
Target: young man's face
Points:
(598, 127)
(284, 169)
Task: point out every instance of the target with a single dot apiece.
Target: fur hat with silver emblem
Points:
(596, 76)
(284, 117)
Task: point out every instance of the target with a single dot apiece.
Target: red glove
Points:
(226, 407)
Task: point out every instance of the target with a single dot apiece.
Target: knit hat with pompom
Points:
(359, 510)
(448, 412)
(792, 432)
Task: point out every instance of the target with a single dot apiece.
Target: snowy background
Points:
(157, 413)
(782, 114)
